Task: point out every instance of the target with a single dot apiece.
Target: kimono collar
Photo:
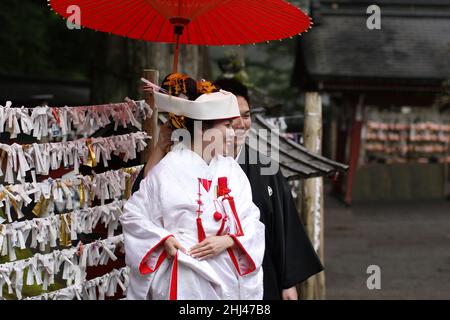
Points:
(193, 157)
(239, 153)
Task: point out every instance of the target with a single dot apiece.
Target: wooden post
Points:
(312, 195)
(150, 125)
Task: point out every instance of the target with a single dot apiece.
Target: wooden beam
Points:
(150, 125)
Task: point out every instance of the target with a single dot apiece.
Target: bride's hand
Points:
(171, 245)
(211, 247)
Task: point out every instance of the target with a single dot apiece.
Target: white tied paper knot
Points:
(38, 121)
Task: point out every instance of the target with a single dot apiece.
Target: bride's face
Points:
(221, 137)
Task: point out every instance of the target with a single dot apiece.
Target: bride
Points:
(191, 230)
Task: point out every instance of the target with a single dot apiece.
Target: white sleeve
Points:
(143, 230)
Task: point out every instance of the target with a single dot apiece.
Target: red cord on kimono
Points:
(200, 231)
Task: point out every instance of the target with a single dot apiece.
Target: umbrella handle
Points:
(178, 24)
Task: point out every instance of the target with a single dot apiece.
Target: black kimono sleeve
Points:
(138, 180)
(301, 260)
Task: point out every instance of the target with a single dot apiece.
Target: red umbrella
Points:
(201, 22)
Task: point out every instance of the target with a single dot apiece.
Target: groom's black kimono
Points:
(289, 257)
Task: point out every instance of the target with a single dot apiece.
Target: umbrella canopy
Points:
(204, 22)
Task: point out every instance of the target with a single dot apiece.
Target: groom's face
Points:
(242, 124)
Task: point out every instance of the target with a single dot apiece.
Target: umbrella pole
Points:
(176, 54)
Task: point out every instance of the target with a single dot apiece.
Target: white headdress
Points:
(208, 106)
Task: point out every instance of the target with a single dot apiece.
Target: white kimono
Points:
(166, 204)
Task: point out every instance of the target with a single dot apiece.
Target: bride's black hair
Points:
(178, 84)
